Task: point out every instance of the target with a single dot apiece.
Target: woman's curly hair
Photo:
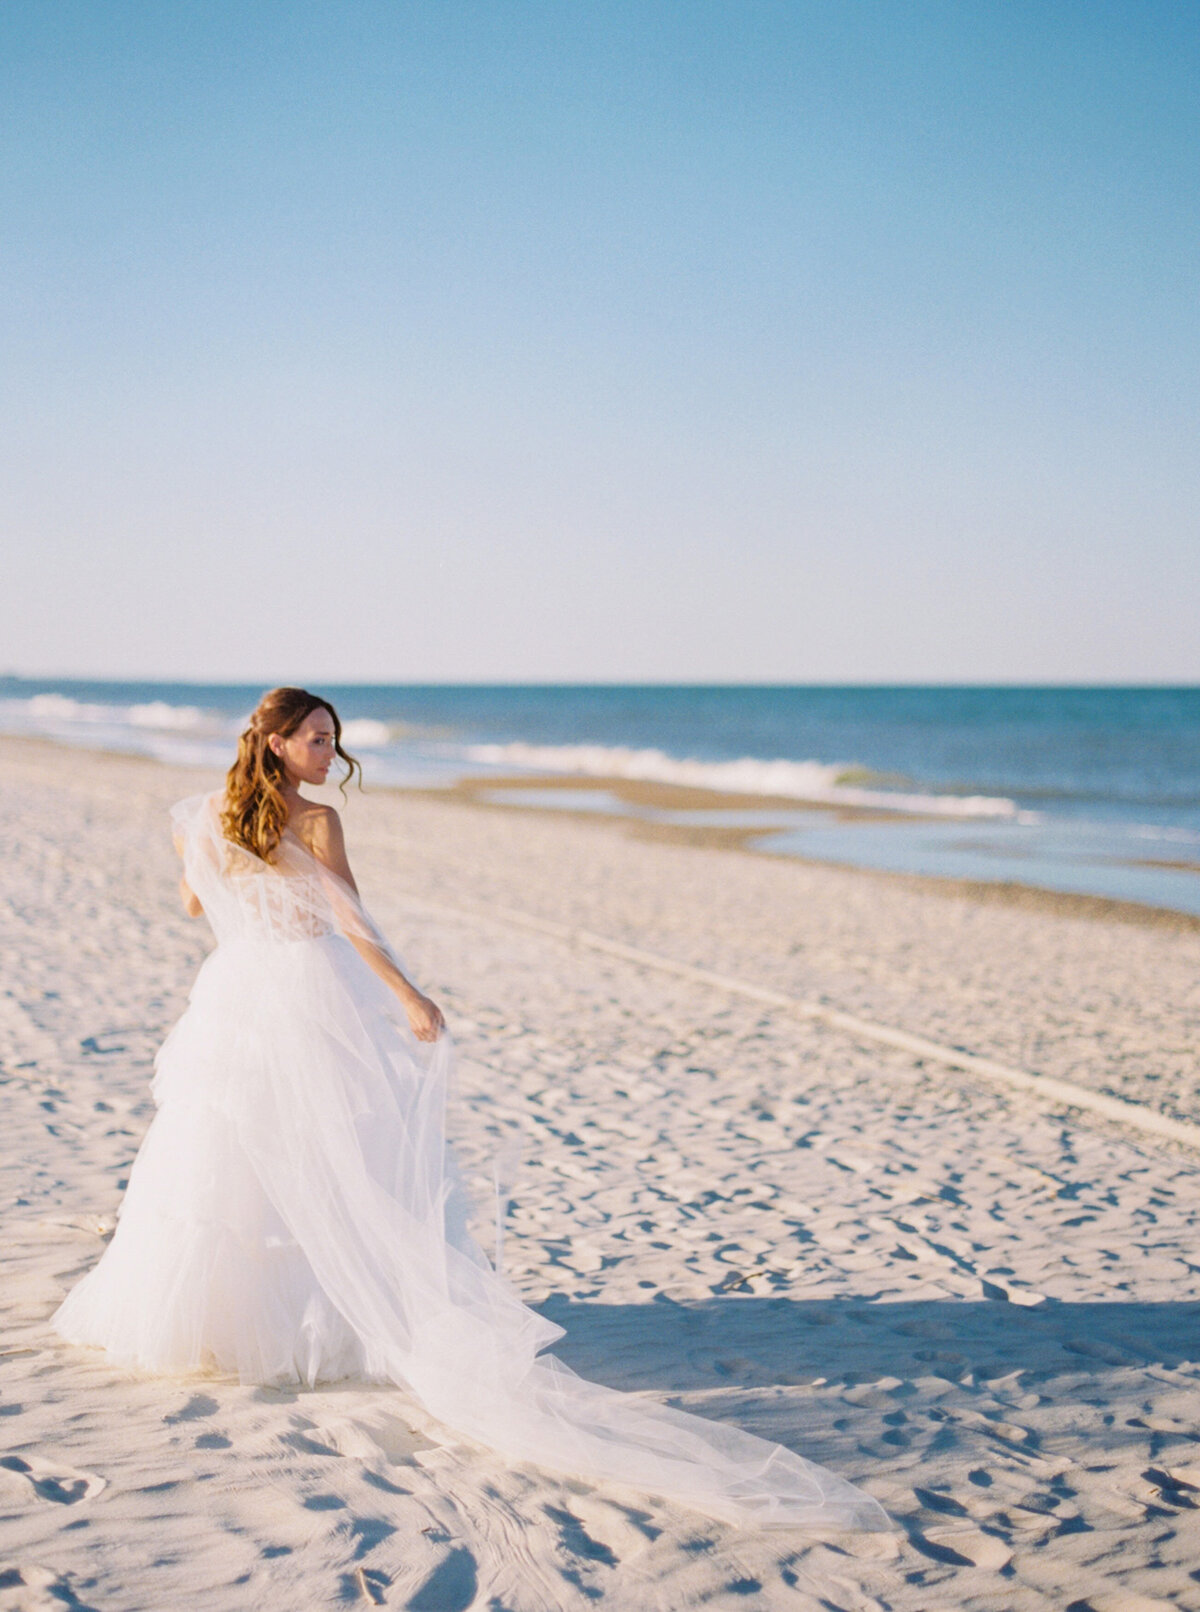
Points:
(255, 812)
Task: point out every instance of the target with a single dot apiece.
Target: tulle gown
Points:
(295, 1215)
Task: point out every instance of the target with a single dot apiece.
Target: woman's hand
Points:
(424, 1017)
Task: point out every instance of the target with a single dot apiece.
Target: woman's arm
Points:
(191, 901)
(321, 831)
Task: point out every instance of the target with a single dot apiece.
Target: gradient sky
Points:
(791, 340)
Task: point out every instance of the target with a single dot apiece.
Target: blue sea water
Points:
(1094, 790)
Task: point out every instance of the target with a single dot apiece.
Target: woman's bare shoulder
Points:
(314, 823)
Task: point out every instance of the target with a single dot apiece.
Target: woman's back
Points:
(243, 897)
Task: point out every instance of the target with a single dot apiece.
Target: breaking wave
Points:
(791, 780)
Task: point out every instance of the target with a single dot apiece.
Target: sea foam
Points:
(791, 780)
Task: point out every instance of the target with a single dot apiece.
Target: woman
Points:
(294, 1213)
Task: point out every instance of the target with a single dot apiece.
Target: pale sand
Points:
(753, 1214)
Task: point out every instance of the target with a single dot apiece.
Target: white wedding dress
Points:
(295, 1214)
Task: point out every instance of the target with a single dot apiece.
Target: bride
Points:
(295, 1213)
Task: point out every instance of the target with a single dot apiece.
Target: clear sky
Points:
(792, 340)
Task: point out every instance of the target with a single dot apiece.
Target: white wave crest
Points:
(365, 733)
(183, 734)
(792, 780)
(158, 714)
(59, 708)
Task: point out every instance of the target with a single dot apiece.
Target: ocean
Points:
(1091, 790)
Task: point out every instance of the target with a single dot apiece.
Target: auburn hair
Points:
(255, 812)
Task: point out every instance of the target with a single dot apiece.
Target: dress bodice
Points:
(268, 904)
(293, 897)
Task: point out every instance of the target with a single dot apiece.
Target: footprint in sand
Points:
(198, 1406)
(30, 1587)
(22, 1475)
(977, 1548)
(451, 1587)
(375, 1437)
(213, 1441)
(1126, 1601)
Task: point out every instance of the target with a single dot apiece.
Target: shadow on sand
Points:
(757, 1342)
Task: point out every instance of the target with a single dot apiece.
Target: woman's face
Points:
(307, 754)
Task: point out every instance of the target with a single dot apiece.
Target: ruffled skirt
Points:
(295, 1214)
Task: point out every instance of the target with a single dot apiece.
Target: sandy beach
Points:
(982, 1306)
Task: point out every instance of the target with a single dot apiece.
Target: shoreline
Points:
(1010, 893)
(470, 792)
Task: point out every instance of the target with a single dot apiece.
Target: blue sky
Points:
(785, 341)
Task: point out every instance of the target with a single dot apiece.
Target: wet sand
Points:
(672, 797)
